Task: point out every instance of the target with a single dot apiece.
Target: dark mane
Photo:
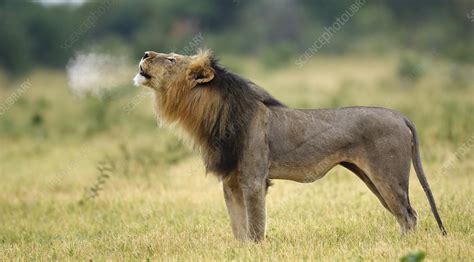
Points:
(246, 85)
(240, 99)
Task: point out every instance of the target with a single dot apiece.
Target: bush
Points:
(410, 68)
(277, 56)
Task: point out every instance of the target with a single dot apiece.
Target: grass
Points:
(157, 203)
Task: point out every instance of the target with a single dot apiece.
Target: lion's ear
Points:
(200, 70)
(200, 75)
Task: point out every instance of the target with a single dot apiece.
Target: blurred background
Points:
(74, 130)
(46, 33)
(44, 38)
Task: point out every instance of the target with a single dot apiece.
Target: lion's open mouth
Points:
(142, 72)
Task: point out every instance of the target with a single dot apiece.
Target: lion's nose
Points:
(148, 54)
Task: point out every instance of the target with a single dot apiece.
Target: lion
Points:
(247, 137)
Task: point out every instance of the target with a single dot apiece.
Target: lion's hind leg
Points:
(391, 180)
(390, 184)
(399, 204)
(363, 176)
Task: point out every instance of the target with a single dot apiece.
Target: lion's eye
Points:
(171, 59)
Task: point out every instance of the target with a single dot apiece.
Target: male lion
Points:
(247, 137)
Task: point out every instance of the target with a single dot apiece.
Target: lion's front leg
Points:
(246, 207)
(253, 174)
(254, 197)
(234, 200)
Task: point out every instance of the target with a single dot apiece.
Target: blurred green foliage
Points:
(410, 68)
(47, 35)
(414, 257)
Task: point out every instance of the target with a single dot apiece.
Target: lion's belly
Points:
(302, 174)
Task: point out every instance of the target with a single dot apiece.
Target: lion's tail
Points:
(421, 175)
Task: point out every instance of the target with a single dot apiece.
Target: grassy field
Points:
(98, 179)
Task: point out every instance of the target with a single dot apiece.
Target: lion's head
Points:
(178, 82)
(159, 71)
